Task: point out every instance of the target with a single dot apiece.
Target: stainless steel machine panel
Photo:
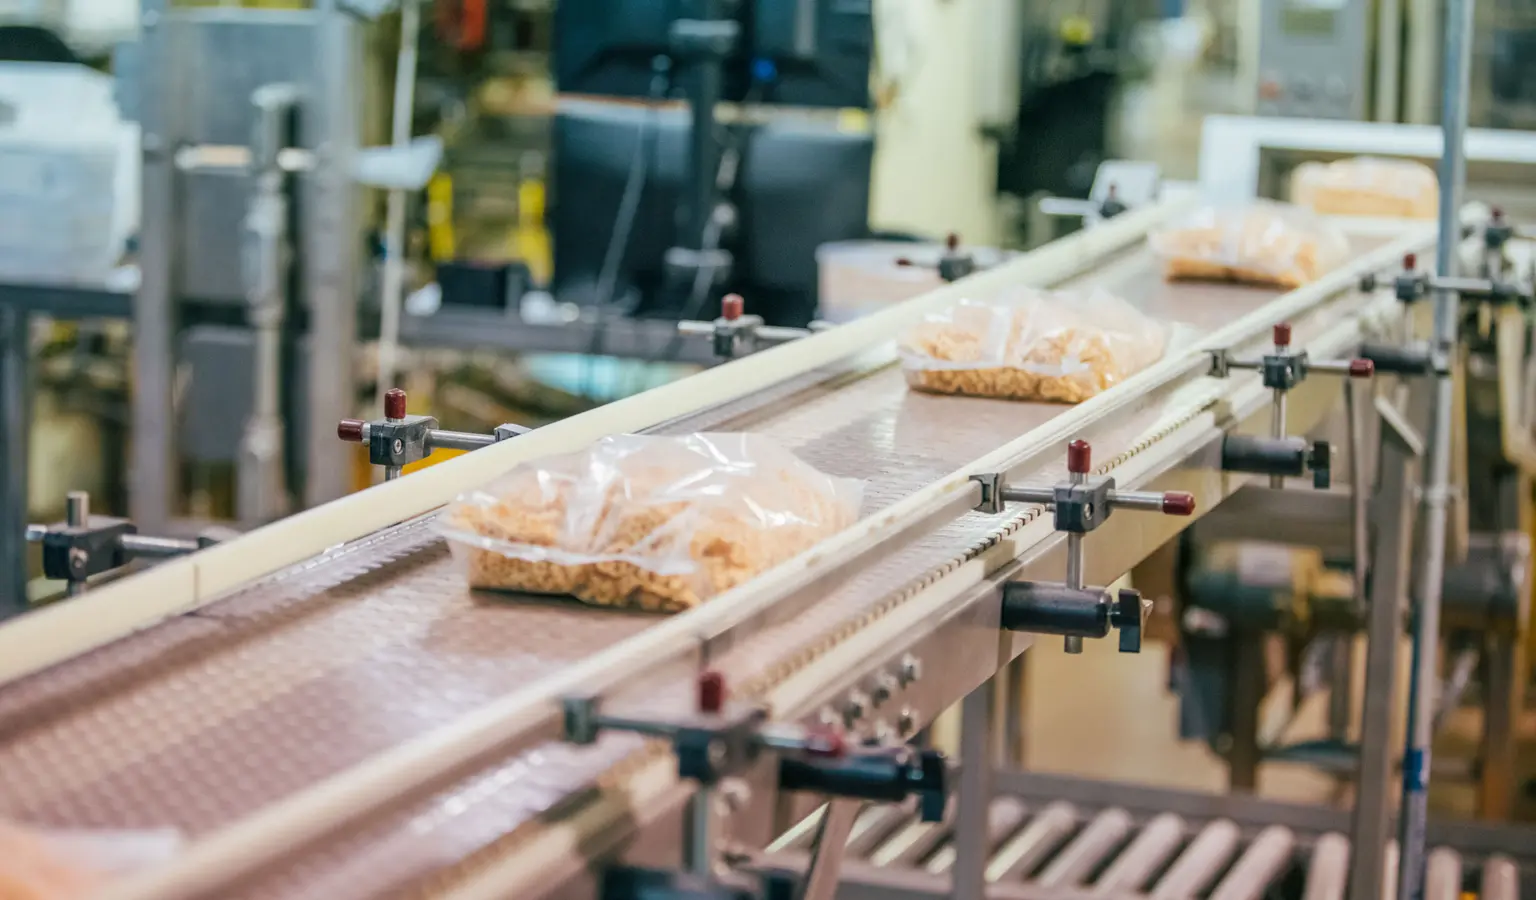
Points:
(1314, 58)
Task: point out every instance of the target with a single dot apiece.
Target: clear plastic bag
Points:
(648, 522)
(1367, 186)
(1062, 347)
(40, 864)
(1261, 243)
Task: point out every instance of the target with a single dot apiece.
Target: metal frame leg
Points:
(1014, 696)
(1504, 671)
(1245, 698)
(1391, 548)
(975, 792)
(15, 413)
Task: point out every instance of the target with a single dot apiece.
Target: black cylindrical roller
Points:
(1397, 359)
(1264, 455)
(1049, 608)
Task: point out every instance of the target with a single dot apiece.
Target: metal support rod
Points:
(1074, 644)
(153, 480)
(1014, 693)
(139, 546)
(15, 419)
(1416, 759)
(1277, 430)
(971, 844)
(77, 514)
(460, 440)
(1341, 698)
(1245, 753)
(699, 849)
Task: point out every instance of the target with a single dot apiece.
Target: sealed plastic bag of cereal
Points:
(1062, 346)
(1261, 243)
(1367, 186)
(650, 522)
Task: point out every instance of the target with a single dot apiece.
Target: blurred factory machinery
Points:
(288, 281)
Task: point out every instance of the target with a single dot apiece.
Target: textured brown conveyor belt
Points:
(201, 720)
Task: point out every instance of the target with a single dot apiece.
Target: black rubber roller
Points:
(1397, 359)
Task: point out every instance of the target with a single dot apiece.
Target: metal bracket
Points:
(1079, 505)
(84, 546)
(398, 439)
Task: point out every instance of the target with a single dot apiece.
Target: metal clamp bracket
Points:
(1079, 505)
(737, 334)
(84, 546)
(398, 439)
(1279, 455)
(720, 740)
(954, 263)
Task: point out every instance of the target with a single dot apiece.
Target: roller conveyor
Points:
(283, 688)
(1075, 851)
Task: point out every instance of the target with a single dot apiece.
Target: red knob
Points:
(394, 404)
(1079, 457)
(1361, 368)
(1178, 503)
(732, 306)
(1496, 213)
(905, 262)
(825, 742)
(1410, 261)
(350, 430)
(1283, 334)
(952, 242)
(711, 692)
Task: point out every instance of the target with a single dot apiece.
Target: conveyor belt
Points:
(204, 719)
(1041, 849)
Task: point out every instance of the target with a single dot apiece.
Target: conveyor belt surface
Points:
(206, 718)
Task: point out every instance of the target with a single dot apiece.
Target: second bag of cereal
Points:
(1057, 346)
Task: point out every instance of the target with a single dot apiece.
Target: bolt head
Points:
(910, 670)
(906, 722)
(399, 446)
(884, 688)
(855, 708)
(78, 558)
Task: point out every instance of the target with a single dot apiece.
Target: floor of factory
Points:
(1119, 721)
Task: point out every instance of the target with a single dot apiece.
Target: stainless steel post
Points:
(262, 488)
(153, 482)
(77, 514)
(699, 851)
(15, 419)
(1075, 568)
(330, 245)
(975, 792)
(1416, 760)
(1277, 429)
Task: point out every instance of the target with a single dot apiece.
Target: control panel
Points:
(1314, 59)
